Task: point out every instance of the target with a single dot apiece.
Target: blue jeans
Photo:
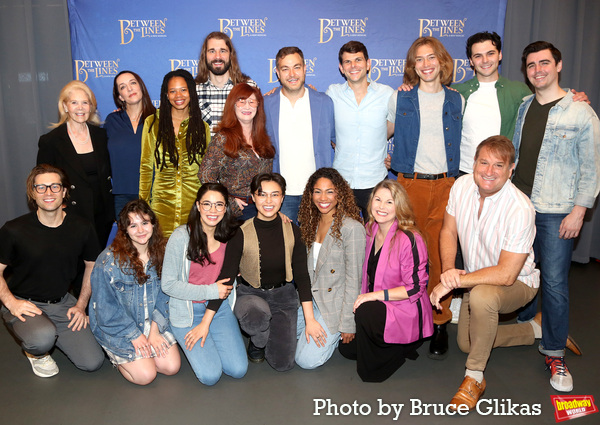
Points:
(554, 258)
(121, 199)
(249, 211)
(223, 350)
(290, 207)
(308, 355)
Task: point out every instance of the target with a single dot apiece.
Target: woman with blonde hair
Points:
(78, 146)
(335, 238)
(393, 312)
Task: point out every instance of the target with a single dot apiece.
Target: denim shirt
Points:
(175, 280)
(568, 167)
(407, 130)
(117, 304)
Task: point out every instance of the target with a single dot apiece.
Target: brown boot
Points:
(468, 393)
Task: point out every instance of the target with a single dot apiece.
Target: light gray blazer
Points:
(337, 278)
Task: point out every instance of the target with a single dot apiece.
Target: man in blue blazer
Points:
(301, 126)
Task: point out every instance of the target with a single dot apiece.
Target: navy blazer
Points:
(323, 126)
(56, 148)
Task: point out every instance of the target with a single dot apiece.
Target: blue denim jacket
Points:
(117, 305)
(407, 129)
(568, 167)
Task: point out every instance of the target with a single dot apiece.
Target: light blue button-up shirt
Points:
(361, 133)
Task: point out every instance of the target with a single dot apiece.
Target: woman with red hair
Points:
(240, 149)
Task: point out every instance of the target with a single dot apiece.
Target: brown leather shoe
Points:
(571, 344)
(468, 393)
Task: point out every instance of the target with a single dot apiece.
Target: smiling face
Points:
(324, 196)
(130, 91)
(490, 172)
(427, 64)
(246, 113)
(178, 94)
(383, 208)
(140, 230)
(355, 67)
(542, 70)
(217, 56)
(485, 59)
(291, 72)
(209, 206)
(78, 106)
(49, 201)
(268, 200)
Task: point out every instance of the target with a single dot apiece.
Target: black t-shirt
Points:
(532, 136)
(44, 259)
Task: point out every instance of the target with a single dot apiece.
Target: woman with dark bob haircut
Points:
(193, 260)
(335, 238)
(124, 131)
(128, 309)
(174, 141)
(240, 150)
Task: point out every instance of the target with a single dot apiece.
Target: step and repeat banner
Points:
(153, 37)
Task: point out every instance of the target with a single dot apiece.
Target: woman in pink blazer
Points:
(393, 312)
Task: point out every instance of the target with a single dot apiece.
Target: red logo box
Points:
(572, 406)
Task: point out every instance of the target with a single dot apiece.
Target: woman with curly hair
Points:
(393, 312)
(174, 141)
(193, 261)
(128, 309)
(335, 238)
(240, 150)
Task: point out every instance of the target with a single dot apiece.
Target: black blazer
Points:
(55, 148)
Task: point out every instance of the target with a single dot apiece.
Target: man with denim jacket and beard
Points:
(558, 166)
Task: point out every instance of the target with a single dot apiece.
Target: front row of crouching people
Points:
(297, 293)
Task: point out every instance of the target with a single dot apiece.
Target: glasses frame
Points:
(37, 187)
(247, 101)
(220, 206)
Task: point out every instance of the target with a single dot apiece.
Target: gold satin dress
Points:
(171, 192)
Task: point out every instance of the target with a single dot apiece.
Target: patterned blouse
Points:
(234, 173)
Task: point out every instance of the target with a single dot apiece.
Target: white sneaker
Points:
(43, 366)
(561, 379)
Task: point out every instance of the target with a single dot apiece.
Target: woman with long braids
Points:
(335, 238)
(128, 309)
(174, 141)
(207, 331)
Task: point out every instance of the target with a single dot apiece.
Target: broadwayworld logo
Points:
(344, 28)
(143, 28)
(96, 69)
(248, 27)
(442, 27)
(573, 406)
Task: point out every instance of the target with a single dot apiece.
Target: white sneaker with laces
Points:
(561, 379)
(43, 366)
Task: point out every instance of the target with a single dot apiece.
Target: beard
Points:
(221, 71)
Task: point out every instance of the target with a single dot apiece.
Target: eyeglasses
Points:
(253, 103)
(42, 188)
(207, 206)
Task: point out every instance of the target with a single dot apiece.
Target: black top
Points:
(372, 266)
(44, 259)
(272, 258)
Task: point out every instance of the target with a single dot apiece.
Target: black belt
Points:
(43, 301)
(278, 285)
(420, 176)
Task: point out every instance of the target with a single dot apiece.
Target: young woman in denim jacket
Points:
(193, 260)
(128, 314)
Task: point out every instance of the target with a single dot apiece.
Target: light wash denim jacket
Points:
(117, 305)
(175, 281)
(568, 167)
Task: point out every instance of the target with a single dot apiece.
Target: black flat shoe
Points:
(255, 354)
(438, 347)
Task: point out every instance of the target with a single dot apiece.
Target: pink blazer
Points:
(403, 262)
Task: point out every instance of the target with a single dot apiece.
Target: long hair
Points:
(309, 214)
(64, 96)
(234, 70)
(126, 254)
(231, 128)
(403, 208)
(195, 139)
(147, 106)
(442, 55)
(198, 246)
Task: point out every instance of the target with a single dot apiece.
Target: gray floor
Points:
(514, 375)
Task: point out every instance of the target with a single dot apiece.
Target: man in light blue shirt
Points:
(360, 108)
